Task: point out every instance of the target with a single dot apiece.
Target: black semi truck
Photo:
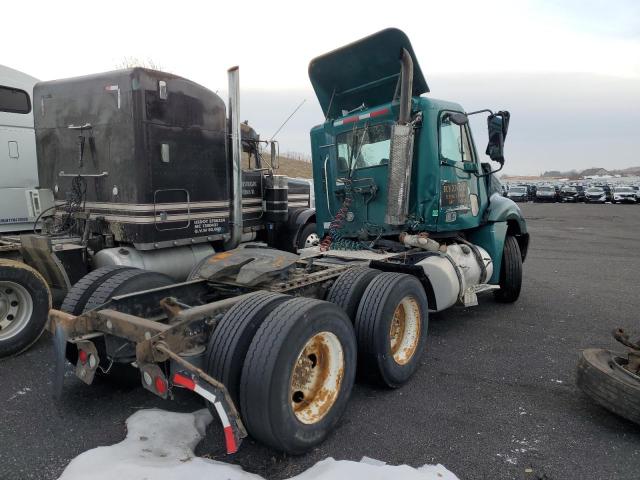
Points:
(141, 167)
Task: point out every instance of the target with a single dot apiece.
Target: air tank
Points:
(276, 199)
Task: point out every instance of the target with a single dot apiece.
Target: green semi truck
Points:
(411, 221)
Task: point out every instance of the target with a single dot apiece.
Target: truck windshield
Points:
(364, 147)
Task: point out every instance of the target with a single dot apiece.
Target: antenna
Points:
(288, 118)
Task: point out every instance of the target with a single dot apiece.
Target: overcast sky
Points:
(569, 71)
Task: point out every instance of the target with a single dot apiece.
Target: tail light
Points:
(161, 385)
(88, 361)
(83, 357)
(154, 380)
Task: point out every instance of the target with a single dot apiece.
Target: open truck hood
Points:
(365, 71)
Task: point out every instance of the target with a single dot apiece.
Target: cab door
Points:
(459, 182)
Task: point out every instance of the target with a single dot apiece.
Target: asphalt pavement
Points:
(495, 397)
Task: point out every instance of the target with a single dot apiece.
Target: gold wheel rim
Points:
(316, 378)
(404, 331)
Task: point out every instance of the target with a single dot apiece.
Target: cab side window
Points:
(13, 100)
(455, 143)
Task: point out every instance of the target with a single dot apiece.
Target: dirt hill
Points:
(289, 167)
(295, 168)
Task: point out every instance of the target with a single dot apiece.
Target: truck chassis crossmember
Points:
(155, 342)
(172, 329)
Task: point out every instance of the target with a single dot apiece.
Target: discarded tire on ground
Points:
(230, 340)
(510, 272)
(602, 378)
(25, 301)
(391, 328)
(347, 290)
(298, 374)
(77, 298)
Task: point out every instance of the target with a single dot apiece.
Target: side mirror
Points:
(498, 124)
(456, 118)
(274, 156)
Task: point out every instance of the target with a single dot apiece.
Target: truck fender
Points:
(287, 233)
(298, 221)
(300, 216)
(415, 270)
(502, 209)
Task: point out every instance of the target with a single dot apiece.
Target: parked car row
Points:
(573, 193)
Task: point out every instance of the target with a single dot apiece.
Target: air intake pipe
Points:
(401, 155)
(235, 218)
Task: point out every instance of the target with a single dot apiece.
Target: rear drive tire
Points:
(391, 328)
(127, 281)
(123, 282)
(80, 293)
(232, 337)
(510, 272)
(602, 378)
(25, 301)
(347, 290)
(298, 374)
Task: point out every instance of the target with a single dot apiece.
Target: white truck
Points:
(23, 292)
(20, 202)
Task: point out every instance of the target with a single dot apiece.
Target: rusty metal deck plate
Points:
(314, 252)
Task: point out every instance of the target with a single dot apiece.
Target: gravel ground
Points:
(495, 397)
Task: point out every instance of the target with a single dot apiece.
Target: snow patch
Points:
(159, 446)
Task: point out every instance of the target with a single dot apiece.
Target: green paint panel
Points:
(491, 237)
(446, 192)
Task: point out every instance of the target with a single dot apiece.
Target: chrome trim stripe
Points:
(176, 217)
(150, 207)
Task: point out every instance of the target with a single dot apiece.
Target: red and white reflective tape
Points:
(364, 116)
(190, 384)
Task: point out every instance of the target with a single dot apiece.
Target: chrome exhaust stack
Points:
(401, 155)
(235, 218)
(406, 87)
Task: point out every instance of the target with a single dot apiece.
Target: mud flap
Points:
(234, 431)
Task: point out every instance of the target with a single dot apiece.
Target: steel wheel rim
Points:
(404, 331)
(312, 240)
(16, 307)
(316, 378)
